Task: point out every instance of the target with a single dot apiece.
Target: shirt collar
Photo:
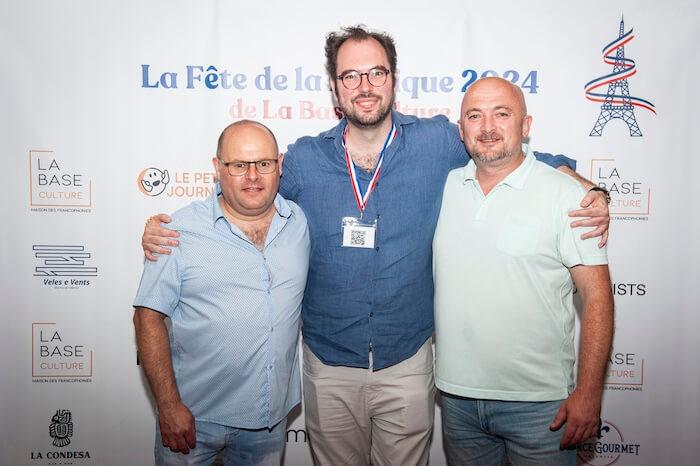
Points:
(515, 179)
(281, 205)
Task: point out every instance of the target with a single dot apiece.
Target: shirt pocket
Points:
(519, 235)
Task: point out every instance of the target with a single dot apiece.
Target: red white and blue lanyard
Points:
(357, 190)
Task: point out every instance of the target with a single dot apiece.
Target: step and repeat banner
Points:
(111, 113)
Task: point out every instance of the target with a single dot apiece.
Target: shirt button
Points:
(377, 248)
(371, 314)
(269, 367)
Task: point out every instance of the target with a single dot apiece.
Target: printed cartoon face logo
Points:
(152, 181)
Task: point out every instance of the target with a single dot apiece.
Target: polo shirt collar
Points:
(281, 205)
(516, 179)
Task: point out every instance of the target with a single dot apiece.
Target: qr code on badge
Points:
(357, 238)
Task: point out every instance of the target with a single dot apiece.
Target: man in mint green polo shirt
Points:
(505, 264)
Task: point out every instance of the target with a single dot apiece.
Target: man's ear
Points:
(331, 84)
(217, 167)
(280, 160)
(527, 122)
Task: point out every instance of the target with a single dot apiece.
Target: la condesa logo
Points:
(61, 430)
(156, 181)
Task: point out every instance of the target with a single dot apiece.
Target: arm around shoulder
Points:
(594, 211)
(157, 239)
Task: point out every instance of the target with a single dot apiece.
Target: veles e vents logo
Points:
(57, 261)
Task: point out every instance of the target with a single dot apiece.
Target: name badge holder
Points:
(356, 232)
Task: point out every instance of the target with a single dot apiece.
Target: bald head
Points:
(244, 130)
(494, 122)
(493, 86)
(248, 167)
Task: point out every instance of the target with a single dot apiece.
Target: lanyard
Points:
(361, 198)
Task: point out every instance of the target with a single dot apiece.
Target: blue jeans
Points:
(487, 432)
(261, 447)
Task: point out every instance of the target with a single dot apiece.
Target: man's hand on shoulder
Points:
(595, 208)
(156, 237)
(177, 430)
(581, 414)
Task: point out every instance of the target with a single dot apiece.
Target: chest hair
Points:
(367, 162)
(257, 233)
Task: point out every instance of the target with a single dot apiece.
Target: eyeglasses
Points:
(239, 167)
(352, 79)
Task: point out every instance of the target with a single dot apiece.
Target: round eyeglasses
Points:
(352, 79)
(239, 167)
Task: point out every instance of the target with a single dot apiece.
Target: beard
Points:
(368, 120)
(489, 157)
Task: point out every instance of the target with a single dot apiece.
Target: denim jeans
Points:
(260, 447)
(487, 432)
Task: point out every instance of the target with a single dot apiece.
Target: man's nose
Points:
(488, 123)
(364, 86)
(252, 172)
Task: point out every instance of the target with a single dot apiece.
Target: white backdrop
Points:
(94, 93)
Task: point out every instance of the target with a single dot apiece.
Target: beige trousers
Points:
(361, 417)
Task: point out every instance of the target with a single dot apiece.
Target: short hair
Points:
(358, 33)
(241, 123)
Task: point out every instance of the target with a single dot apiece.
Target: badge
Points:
(357, 234)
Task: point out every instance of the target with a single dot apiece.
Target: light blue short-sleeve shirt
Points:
(504, 308)
(234, 313)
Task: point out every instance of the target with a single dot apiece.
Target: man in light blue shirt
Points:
(225, 373)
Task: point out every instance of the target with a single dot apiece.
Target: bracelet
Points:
(602, 190)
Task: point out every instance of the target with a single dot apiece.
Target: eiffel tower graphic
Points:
(617, 102)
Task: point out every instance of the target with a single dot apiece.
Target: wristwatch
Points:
(602, 190)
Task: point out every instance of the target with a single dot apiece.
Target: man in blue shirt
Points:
(225, 373)
(371, 188)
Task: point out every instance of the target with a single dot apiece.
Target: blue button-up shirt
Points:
(234, 313)
(381, 297)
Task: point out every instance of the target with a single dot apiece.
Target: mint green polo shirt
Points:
(504, 310)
